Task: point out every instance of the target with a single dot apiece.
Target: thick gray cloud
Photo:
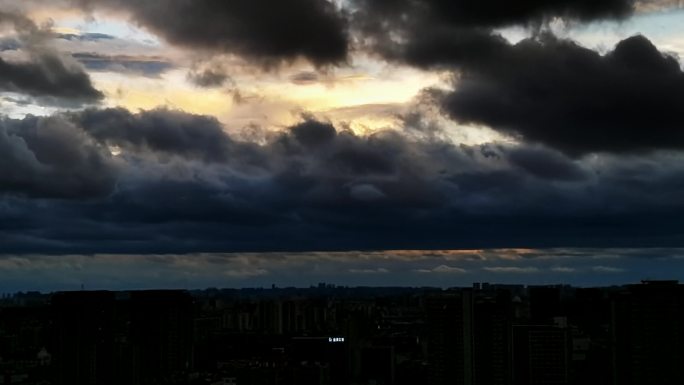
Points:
(52, 158)
(543, 89)
(433, 33)
(569, 97)
(262, 30)
(493, 13)
(46, 74)
(313, 134)
(165, 131)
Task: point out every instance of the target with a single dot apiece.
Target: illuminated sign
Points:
(335, 339)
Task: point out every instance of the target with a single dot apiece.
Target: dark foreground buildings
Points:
(487, 334)
(122, 338)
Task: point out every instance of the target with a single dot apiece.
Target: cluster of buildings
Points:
(484, 334)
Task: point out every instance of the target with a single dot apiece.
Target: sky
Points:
(236, 143)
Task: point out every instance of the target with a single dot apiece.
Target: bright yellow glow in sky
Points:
(271, 101)
(138, 92)
(360, 90)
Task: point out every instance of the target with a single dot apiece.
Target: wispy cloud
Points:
(512, 269)
(607, 269)
(443, 269)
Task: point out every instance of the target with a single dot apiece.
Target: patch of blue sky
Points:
(664, 28)
(115, 27)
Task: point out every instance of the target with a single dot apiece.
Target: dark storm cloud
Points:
(545, 164)
(544, 89)
(433, 33)
(166, 131)
(492, 13)
(262, 30)
(180, 183)
(311, 133)
(52, 158)
(556, 92)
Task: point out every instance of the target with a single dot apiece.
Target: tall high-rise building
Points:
(84, 332)
(545, 304)
(541, 355)
(450, 338)
(648, 334)
(161, 332)
(492, 339)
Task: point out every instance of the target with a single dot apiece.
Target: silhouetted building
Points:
(648, 333)
(492, 335)
(545, 304)
(492, 339)
(450, 338)
(540, 355)
(319, 360)
(84, 331)
(161, 332)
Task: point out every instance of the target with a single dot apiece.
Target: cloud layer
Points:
(163, 180)
(590, 153)
(569, 97)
